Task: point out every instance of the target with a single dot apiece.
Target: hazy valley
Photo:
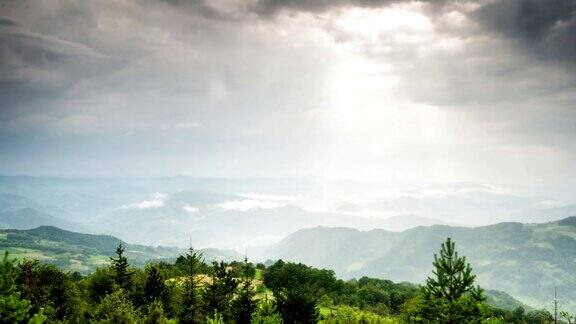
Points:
(527, 261)
(246, 213)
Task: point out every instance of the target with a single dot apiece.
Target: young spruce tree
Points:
(245, 304)
(452, 275)
(191, 306)
(154, 287)
(13, 309)
(122, 275)
(449, 296)
(219, 293)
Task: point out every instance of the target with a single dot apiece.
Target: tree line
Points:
(190, 290)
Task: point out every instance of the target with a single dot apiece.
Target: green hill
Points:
(85, 252)
(527, 261)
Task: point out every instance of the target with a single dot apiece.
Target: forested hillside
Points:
(528, 261)
(191, 291)
(84, 253)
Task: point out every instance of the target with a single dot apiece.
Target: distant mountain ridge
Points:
(28, 218)
(569, 221)
(547, 214)
(526, 260)
(211, 225)
(404, 222)
(10, 202)
(171, 211)
(212, 211)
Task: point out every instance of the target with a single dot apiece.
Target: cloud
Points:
(271, 197)
(158, 201)
(247, 204)
(190, 209)
(545, 28)
(388, 89)
(40, 65)
(272, 7)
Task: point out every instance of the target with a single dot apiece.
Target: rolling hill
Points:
(73, 251)
(85, 252)
(526, 260)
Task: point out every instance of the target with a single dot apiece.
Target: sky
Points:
(383, 90)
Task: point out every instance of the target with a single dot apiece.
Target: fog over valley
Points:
(236, 213)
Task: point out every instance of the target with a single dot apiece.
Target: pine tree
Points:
(218, 294)
(48, 288)
(100, 283)
(122, 276)
(216, 318)
(248, 270)
(244, 305)
(453, 275)
(13, 309)
(155, 314)
(449, 295)
(571, 319)
(116, 308)
(296, 306)
(154, 286)
(266, 313)
(190, 312)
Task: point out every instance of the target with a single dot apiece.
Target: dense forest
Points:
(192, 291)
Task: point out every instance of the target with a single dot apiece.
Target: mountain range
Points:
(235, 213)
(529, 261)
(72, 251)
(205, 219)
(354, 228)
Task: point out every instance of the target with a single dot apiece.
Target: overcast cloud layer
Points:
(364, 89)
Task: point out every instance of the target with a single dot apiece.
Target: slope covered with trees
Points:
(86, 252)
(527, 261)
(192, 291)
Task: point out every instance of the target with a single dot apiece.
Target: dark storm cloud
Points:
(35, 66)
(223, 75)
(203, 9)
(272, 7)
(547, 28)
(7, 22)
(63, 62)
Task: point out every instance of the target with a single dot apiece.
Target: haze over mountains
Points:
(238, 213)
(27, 218)
(528, 261)
(353, 228)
